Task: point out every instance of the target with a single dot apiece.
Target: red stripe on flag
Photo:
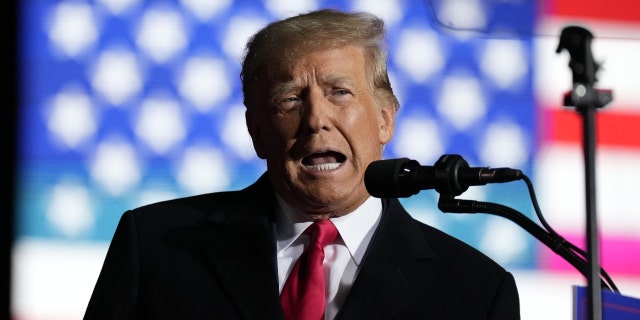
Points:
(615, 10)
(616, 129)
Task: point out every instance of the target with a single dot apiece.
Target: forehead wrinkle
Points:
(335, 79)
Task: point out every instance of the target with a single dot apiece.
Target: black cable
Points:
(555, 243)
(558, 237)
(543, 221)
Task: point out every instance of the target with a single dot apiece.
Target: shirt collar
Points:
(355, 228)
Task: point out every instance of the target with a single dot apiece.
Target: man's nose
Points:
(318, 112)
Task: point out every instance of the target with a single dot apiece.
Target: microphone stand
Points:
(587, 99)
(451, 176)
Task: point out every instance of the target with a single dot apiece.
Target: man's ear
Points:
(387, 122)
(255, 131)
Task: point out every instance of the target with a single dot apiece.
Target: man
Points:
(320, 109)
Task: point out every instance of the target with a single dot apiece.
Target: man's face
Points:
(319, 129)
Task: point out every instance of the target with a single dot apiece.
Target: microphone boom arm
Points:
(551, 239)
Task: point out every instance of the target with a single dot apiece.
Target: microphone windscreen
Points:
(382, 178)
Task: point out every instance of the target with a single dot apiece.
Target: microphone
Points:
(450, 175)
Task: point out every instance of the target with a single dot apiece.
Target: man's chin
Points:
(336, 201)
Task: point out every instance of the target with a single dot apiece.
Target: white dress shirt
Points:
(342, 258)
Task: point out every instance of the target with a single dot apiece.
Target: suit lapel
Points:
(394, 270)
(242, 251)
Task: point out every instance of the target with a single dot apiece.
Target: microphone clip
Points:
(448, 176)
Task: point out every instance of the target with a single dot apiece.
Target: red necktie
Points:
(303, 295)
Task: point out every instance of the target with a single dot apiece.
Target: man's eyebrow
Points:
(280, 88)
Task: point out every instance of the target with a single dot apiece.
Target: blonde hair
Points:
(283, 41)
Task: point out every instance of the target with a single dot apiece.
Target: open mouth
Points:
(324, 161)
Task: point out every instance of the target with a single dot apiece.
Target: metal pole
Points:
(593, 247)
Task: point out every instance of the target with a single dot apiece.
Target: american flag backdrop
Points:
(128, 102)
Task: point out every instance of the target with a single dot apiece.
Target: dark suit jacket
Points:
(213, 256)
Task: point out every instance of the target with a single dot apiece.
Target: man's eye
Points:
(340, 96)
(287, 104)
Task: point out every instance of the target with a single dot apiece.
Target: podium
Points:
(614, 305)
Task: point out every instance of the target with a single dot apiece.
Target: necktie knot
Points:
(322, 233)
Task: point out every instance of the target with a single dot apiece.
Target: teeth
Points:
(324, 166)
